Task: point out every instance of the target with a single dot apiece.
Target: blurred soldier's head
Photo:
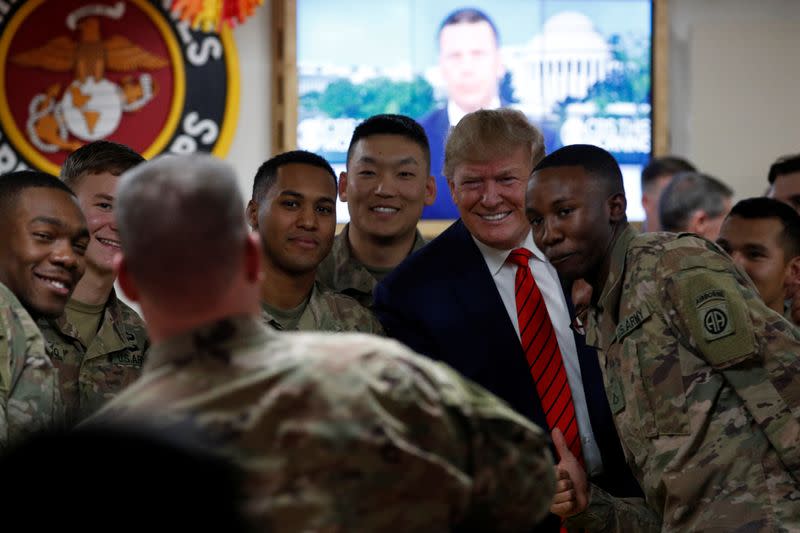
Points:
(469, 59)
(388, 181)
(762, 235)
(488, 158)
(187, 255)
(696, 203)
(576, 206)
(655, 177)
(43, 240)
(92, 172)
(784, 180)
(293, 209)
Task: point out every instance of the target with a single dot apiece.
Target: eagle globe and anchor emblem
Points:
(91, 106)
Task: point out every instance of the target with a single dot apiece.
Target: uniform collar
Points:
(217, 339)
(602, 317)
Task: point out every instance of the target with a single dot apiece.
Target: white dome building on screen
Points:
(566, 59)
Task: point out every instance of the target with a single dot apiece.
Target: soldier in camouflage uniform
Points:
(700, 374)
(386, 185)
(99, 343)
(41, 260)
(345, 432)
(293, 209)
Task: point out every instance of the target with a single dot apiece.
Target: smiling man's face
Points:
(490, 196)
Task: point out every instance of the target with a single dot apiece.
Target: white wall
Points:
(251, 143)
(734, 80)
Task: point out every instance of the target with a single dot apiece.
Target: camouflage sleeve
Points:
(34, 401)
(506, 456)
(607, 513)
(722, 318)
(416, 435)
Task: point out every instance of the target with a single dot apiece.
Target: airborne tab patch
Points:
(713, 314)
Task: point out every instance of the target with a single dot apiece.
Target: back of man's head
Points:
(787, 164)
(595, 161)
(487, 134)
(468, 15)
(761, 208)
(389, 124)
(665, 166)
(267, 173)
(182, 227)
(97, 157)
(689, 193)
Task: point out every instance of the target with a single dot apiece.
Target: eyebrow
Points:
(104, 196)
(410, 160)
(295, 194)
(47, 220)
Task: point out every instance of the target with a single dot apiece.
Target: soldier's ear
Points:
(617, 204)
(791, 279)
(343, 186)
(124, 278)
(430, 190)
(252, 214)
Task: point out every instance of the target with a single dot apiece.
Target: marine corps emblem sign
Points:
(74, 71)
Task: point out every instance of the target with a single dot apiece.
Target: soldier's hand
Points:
(572, 488)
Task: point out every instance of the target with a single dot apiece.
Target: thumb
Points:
(560, 443)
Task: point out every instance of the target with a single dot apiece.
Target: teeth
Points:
(498, 216)
(385, 209)
(55, 283)
(107, 242)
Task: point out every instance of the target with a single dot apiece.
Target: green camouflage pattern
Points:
(609, 514)
(91, 375)
(347, 432)
(704, 383)
(341, 272)
(330, 311)
(30, 398)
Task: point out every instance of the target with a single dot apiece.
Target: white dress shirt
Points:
(504, 276)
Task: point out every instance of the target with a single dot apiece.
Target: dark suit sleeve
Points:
(400, 321)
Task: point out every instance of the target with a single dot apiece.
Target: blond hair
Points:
(482, 135)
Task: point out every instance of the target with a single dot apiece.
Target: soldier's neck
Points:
(95, 287)
(380, 252)
(286, 290)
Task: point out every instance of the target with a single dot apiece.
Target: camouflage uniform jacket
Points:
(347, 432)
(702, 379)
(330, 311)
(30, 398)
(341, 272)
(91, 375)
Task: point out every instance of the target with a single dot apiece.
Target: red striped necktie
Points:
(543, 354)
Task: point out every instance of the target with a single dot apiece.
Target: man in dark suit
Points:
(472, 69)
(468, 300)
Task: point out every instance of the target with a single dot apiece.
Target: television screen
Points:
(579, 69)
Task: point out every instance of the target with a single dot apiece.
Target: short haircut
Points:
(96, 157)
(182, 227)
(595, 161)
(687, 193)
(468, 15)
(664, 166)
(786, 164)
(267, 173)
(484, 134)
(388, 124)
(14, 183)
(761, 207)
